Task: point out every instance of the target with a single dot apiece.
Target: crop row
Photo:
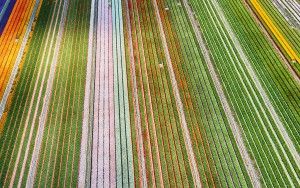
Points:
(216, 153)
(174, 89)
(61, 142)
(103, 149)
(215, 125)
(282, 89)
(5, 11)
(11, 39)
(291, 33)
(262, 104)
(106, 156)
(60, 130)
(156, 132)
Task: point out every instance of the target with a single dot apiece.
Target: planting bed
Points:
(148, 93)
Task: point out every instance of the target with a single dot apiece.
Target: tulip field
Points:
(149, 93)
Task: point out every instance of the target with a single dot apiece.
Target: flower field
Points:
(150, 93)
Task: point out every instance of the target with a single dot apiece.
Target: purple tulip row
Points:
(6, 7)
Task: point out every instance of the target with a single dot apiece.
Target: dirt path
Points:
(229, 113)
(180, 109)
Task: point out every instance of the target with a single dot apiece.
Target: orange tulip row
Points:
(11, 39)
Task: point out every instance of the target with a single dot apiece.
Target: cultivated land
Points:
(12, 38)
(150, 93)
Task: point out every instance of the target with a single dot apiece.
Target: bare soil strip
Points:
(180, 109)
(235, 127)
